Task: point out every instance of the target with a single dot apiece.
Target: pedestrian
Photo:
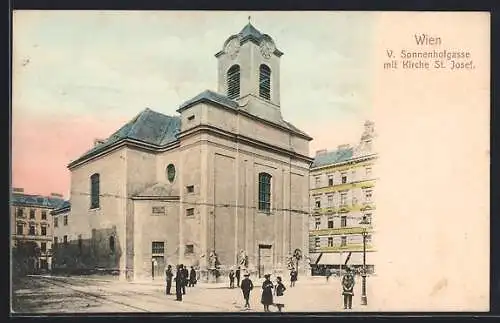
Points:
(328, 275)
(185, 276)
(246, 287)
(279, 293)
(348, 288)
(238, 276)
(192, 277)
(179, 281)
(293, 277)
(267, 292)
(231, 279)
(168, 279)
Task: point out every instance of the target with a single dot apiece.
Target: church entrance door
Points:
(265, 260)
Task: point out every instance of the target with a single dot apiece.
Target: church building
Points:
(224, 182)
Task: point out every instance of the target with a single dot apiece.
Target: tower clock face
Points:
(233, 48)
(266, 49)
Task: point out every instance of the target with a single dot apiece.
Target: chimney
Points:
(343, 147)
(18, 190)
(321, 152)
(98, 142)
(56, 195)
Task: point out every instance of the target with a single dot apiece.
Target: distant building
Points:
(226, 176)
(31, 230)
(61, 236)
(342, 194)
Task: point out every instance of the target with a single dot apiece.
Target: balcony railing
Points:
(343, 208)
(32, 237)
(363, 184)
(339, 231)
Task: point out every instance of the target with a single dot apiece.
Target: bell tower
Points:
(249, 69)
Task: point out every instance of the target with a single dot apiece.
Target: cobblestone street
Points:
(45, 294)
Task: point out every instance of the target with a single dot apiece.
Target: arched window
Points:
(233, 82)
(265, 82)
(265, 192)
(94, 191)
(112, 244)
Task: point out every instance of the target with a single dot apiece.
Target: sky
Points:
(78, 76)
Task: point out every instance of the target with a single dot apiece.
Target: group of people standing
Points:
(183, 278)
(272, 293)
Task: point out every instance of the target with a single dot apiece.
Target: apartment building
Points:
(31, 230)
(342, 195)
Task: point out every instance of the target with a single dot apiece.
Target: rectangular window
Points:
(317, 242)
(343, 199)
(190, 212)
(65, 220)
(265, 192)
(158, 247)
(56, 222)
(330, 200)
(32, 213)
(354, 200)
(44, 215)
(190, 189)
(158, 210)
(367, 218)
(343, 221)
(330, 180)
(368, 172)
(330, 223)
(330, 241)
(189, 249)
(56, 241)
(368, 196)
(20, 212)
(369, 238)
(20, 229)
(317, 202)
(191, 118)
(317, 181)
(32, 230)
(43, 246)
(343, 241)
(65, 240)
(343, 176)
(94, 191)
(44, 230)
(317, 223)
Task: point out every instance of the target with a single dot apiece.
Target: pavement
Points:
(50, 294)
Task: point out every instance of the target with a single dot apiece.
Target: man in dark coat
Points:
(293, 277)
(192, 277)
(246, 287)
(238, 276)
(168, 278)
(179, 282)
(185, 277)
(348, 288)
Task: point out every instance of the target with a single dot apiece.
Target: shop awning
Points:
(314, 257)
(340, 258)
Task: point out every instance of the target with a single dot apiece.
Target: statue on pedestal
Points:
(243, 259)
(213, 261)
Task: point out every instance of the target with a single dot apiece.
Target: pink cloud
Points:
(43, 146)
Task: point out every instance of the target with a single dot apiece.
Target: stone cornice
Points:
(243, 139)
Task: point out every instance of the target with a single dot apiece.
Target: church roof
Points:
(65, 206)
(333, 157)
(211, 96)
(22, 199)
(148, 126)
(249, 31)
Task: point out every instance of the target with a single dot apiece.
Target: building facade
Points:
(32, 231)
(342, 195)
(224, 182)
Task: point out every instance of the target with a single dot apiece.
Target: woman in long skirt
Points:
(267, 293)
(279, 292)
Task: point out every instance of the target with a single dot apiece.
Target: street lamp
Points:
(364, 224)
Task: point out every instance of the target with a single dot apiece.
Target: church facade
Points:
(224, 182)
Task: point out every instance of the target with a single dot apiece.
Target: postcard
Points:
(250, 162)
